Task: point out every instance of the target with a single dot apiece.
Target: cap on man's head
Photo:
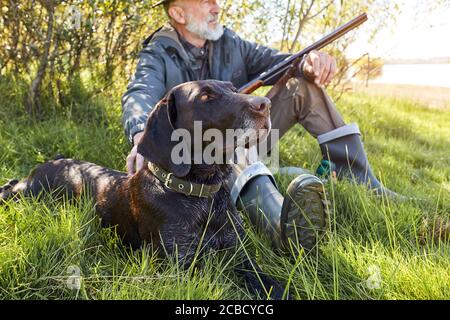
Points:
(160, 3)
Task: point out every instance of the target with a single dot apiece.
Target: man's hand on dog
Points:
(320, 67)
(135, 161)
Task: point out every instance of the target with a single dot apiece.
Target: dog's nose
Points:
(260, 105)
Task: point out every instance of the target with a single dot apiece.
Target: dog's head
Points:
(213, 104)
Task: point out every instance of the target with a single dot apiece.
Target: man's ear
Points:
(156, 145)
(177, 14)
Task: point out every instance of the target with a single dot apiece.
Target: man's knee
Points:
(308, 90)
(303, 91)
(294, 86)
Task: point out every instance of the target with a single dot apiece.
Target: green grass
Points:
(373, 249)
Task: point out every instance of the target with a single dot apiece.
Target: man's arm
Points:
(144, 91)
(259, 58)
(318, 67)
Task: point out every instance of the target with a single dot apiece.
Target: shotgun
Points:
(288, 65)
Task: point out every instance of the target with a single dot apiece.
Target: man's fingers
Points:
(327, 74)
(130, 164)
(325, 62)
(135, 161)
(315, 61)
(131, 160)
(321, 66)
(309, 69)
(307, 66)
(139, 162)
(333, 71)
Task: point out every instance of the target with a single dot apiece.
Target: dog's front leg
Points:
(258, 282)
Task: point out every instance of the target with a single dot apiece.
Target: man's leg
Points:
(296, 221)
(305, 103)
(300, 217)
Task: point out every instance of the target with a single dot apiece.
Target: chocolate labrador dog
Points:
(181, 208)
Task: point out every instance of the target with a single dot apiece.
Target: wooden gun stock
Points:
(252, 87)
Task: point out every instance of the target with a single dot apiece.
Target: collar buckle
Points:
(168, 180)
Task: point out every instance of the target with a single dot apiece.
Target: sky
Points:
(416, 33)
(414, 36)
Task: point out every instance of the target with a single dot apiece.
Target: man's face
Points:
(202, 18)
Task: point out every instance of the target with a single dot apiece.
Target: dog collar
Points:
(182, 186)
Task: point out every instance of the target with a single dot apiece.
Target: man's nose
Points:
(215, 7)
(260, 105)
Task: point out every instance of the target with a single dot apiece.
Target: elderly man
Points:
(194, 46)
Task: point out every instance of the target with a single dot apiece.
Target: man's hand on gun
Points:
(319, 67)
(135, 161)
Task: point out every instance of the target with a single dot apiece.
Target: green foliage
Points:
(368, 239)
(101, 39)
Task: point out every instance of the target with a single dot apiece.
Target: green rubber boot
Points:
(294, 222)
(304, 215)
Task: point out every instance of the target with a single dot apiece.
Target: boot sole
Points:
(304, 216)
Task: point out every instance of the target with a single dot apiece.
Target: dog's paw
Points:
(59, 157)
(13, 182)
(277, 292)
(6, 191)
(274, 289)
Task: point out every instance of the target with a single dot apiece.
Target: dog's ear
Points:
(156, 145)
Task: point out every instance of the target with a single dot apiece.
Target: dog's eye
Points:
(204, 97)
(206, 94)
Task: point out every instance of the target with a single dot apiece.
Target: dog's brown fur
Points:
(140, 206)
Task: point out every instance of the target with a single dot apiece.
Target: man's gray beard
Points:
(202, 30)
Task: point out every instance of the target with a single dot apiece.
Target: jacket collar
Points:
(168, 32)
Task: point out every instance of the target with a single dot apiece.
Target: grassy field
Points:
(432, 97)
(375, 248)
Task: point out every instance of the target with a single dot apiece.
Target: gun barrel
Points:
(284, 65)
